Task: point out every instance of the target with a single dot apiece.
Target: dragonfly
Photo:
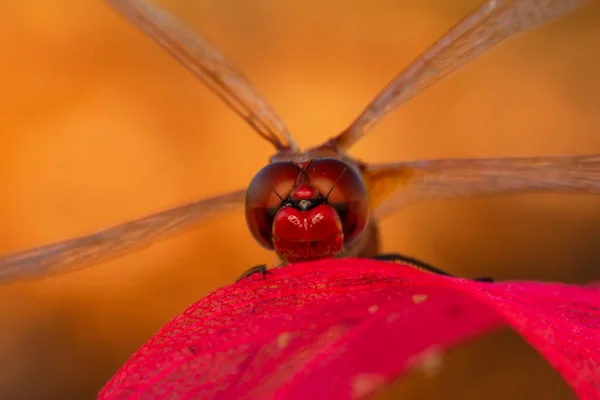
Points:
(321, 202)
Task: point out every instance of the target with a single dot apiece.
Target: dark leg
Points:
(262, 269)
(415, 263)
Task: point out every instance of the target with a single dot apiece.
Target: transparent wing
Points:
(199, 56)
(394, 186)
(492, 23)
(84, 251)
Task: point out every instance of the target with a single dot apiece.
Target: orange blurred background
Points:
(99, 126)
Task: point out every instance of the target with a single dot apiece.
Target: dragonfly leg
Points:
(261, 269)
(416, 263)
(487, 279)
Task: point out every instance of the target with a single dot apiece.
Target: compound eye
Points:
(263, 198)
(343, 187)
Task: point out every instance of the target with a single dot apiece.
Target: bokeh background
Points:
(99, 125)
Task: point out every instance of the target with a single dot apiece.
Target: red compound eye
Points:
(263, 198)
(345, 191)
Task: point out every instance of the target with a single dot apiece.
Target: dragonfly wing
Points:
(84, 251)
(199, 56)
(490, 24)
(394, 186)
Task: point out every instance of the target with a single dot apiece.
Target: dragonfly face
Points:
(321, 202)
(308, 210)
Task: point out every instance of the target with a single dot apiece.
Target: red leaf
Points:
(340, 329)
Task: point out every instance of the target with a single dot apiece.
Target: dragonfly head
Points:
(307, 210)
